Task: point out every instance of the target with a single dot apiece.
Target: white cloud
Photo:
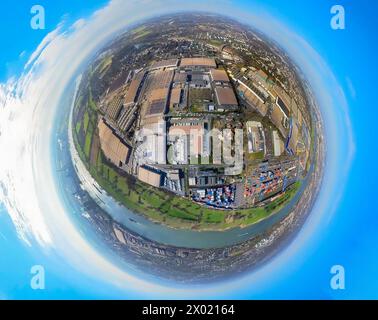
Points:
(45, 42)
(78, 24)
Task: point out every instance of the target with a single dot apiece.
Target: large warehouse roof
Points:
(132, 93)
(202, 62)
(156, 107)
(158, 94)
(113, 147)
(149, 176)
(175, 96)
(164, 64)
(226, 96)
(219, 75)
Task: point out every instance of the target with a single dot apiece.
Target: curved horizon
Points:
(43, 223)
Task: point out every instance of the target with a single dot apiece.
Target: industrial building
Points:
(150, 176)
(225, 97)
(169, 63)
(278, 145)
(279, 119)
(199, 62)
(219, 75)
(176, 97)
(255, 135)
(114, 148)
(114, 107)
(134, 89)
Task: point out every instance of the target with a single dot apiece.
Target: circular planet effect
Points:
(32, 105)
(155, 98)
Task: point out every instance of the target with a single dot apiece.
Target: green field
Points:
(78, 127)
(140, 33)
(88, 141)
(197, 98)
(255, 155)
(216, 43)
(104, 65)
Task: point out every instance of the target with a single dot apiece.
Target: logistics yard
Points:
(198, 136)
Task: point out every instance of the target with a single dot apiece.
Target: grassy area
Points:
(197, 107)
(281, 201)
(216, 43)
(92, 105)
(86, 121)
(104, 65)
(212, 216)
(141, 33)
(88, 141)
(78, 127)
(138, 30)
(197, 98)
(255, 155)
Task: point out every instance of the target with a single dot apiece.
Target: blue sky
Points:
(349, 239)
(17, 35)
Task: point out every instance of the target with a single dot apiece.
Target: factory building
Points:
(113, 147)
(163, 64)
(150, 176)
(196, 63)
(134, 89)
(225, 97)
(219, 76)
